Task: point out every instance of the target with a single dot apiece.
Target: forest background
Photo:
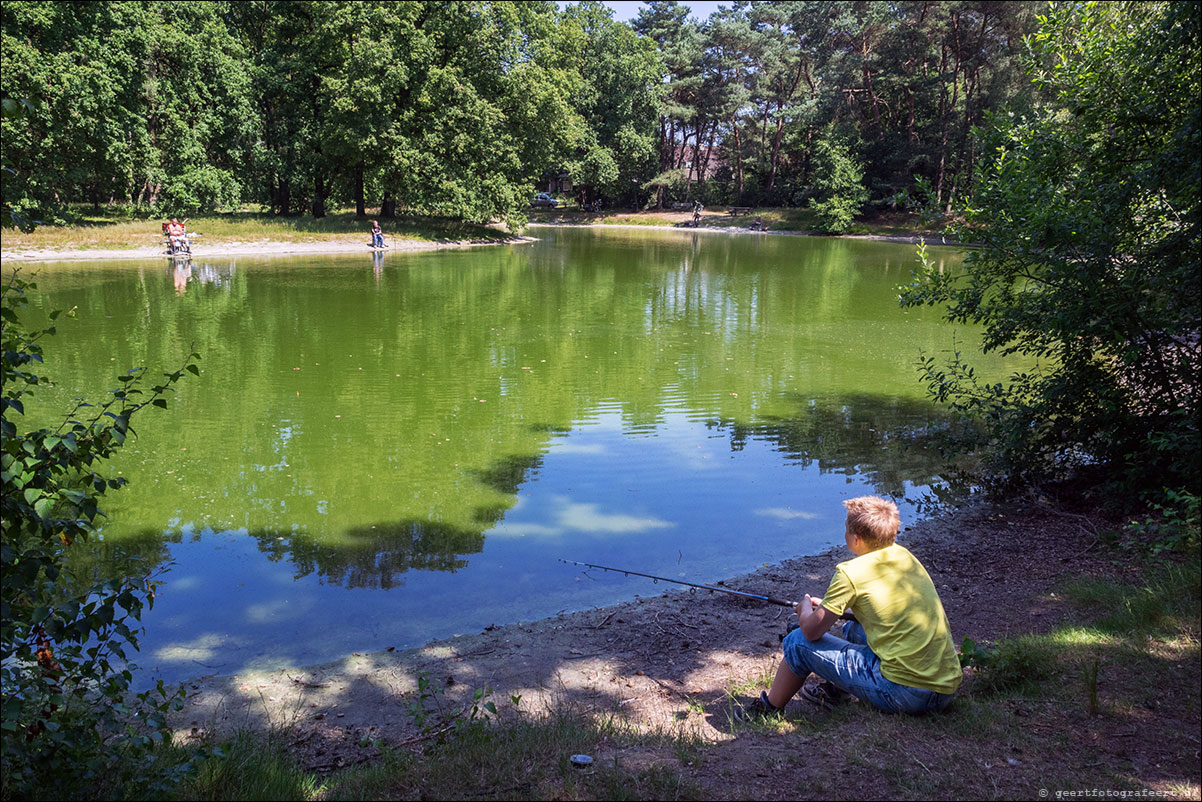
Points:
(464, 109)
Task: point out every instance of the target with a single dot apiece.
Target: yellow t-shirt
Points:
(895, 601)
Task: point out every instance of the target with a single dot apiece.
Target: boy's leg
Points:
(847, 664)
(785, 685)
(852, 666)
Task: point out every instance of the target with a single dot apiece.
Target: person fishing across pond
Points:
(177, 234)
(697, 207)
(897, 654)
(377, 235)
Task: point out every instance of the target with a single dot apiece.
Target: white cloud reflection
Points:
(787, 514)
(568, 516)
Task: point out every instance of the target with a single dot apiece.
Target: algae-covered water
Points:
(381, 450)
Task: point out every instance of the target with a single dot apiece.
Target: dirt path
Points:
(661, 661)
(215, 249)
(717, 224)
(260, 248)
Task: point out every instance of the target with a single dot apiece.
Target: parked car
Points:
(543, 199)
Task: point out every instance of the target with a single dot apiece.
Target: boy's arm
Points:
(814, 618)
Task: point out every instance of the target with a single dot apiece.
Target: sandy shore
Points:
(271, 248)
(715, 229)
(664, 660)
(260, 248)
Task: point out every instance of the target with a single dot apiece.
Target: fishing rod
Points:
(756, 596)
(847, 614)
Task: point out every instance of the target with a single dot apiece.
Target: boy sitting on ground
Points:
(897, 654)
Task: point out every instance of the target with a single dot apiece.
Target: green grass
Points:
(100, 231)
(252, 766)
(115, 230)
(1165, 603)
(528, 759)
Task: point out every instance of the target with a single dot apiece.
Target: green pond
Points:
(382, 450)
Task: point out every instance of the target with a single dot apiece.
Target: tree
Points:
(198, 126)
(81, 64)
(1088, 212)
(617, 102)
(680, 47)
(138, 102)
(838, 183)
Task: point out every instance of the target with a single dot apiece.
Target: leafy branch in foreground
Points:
(1089, 215)
(69, 726)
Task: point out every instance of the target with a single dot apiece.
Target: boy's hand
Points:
(805, 608)
(813, 617)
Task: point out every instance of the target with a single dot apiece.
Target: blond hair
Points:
(874, 519)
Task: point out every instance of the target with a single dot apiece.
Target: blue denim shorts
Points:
(848, 663)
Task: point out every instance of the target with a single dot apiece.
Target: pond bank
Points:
(227, 247)
(718, 229)
(269, 248)
(672, 662)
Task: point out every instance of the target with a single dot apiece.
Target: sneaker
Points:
(825, 694)
(758, 710)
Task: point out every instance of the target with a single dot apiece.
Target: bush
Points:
(1088, 214)
(69, 728)
(198, 188)
(838, 183)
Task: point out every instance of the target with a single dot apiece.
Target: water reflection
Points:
(188, 270)
(376, 556)
(881, 444)
(440, 427)
(886, 442)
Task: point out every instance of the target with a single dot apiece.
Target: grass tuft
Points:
(253, 767)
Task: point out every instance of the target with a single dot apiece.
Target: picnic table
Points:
(735, 211)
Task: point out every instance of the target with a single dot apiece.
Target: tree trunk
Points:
(944, 112)
(319, 196)
(283, 196)
(709, 151)
(876, 112)
(665, 147)
(951, 109)
(909, 93)
(360, 208)
(780, 122)
(688, 174)
(388, 207)
(738, 158)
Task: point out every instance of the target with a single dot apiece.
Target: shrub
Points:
(1088, 214)
(838, 183)
(69, 728)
